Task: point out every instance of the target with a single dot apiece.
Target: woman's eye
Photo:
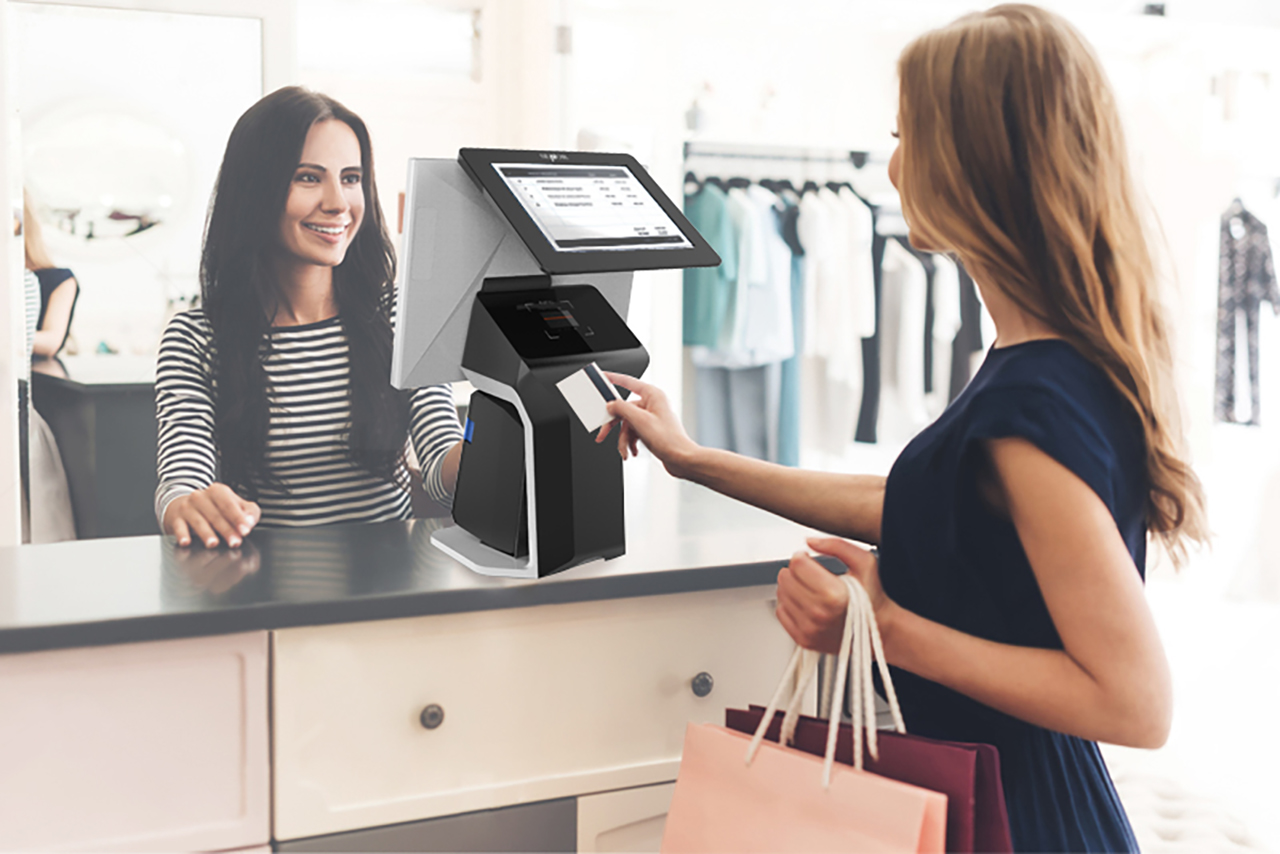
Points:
(894, 134)
(307, 177)
(352, 178)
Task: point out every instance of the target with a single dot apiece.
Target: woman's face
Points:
(895, 167)
(326, 197)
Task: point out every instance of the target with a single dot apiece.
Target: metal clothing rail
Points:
(796, 154)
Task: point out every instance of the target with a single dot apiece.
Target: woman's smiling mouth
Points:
(329, 230)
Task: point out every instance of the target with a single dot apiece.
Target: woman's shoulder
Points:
(190, 327)
(1049, 392)
(1049, 366)
(51, 277)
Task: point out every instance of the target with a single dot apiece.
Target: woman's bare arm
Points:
(1109, 682)
(841, 504)
(846, 505)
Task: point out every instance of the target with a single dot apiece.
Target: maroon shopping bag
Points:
(968, 774)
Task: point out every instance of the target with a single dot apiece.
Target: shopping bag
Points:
(968, 774)
(735, 793)
(778, 803)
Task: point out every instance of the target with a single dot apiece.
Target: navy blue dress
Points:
(50, 278)
(946, 557)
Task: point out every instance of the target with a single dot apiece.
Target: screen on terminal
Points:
(591, 208)
(587, 211)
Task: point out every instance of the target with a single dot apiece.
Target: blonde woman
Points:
(59, 289)
(1012, 532)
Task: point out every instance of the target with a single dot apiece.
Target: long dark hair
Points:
(240, 292)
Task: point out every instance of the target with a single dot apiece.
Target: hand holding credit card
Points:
(587, 392)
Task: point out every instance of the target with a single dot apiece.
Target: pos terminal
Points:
(517, 275)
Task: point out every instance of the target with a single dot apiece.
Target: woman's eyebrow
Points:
(319, 168)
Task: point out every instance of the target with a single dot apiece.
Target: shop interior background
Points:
(134, 99)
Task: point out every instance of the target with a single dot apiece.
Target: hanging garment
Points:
(1246, 279)
(869, 412)
(945, 304)
(708, 291)
(757, 330)
(836, 230)
(903, 412)
(734, 408)
(738, 380)
(789, 381)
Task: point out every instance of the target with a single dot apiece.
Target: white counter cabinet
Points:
(528, 704)
(158, 746)
(158, 698)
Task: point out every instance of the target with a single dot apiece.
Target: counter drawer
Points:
(625, 820)
(139, 747)
(537, 703)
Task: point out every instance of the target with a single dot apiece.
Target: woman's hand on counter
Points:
(812, 602)
(649, 420)
(210, 516)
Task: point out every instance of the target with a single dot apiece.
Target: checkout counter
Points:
(356, 688)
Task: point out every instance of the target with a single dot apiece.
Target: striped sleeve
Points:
(433, 423)
(186, 456)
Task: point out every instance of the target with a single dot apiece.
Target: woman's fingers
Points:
(232, 509)
(252, 514)
(201, 529)
(206, 504)
(811, 588)
(622, 441)
(814, 620)
(605, 430)
(241, 514)
(629, 383)
(211, 515)
(180, 531)
(859, 560)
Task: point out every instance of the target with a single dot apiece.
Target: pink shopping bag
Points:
(778, 803)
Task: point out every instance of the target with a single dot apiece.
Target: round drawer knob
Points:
(702, 684)
(432, 716)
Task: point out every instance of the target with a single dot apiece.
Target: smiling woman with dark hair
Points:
(273, 399)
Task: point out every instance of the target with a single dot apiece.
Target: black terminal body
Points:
(527, 335)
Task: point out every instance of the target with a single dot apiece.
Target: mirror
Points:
(124, 115)
(102, 170)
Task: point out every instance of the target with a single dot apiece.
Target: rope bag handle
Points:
(860, 645)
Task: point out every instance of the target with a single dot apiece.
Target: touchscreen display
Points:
(584, 208)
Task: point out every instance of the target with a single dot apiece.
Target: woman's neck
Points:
(306, 294)
(1014, 325)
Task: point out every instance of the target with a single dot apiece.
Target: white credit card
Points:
(587, 392)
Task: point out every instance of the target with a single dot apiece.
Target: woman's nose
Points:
(334, 200)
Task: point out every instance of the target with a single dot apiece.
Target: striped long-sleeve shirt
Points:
(308, 376)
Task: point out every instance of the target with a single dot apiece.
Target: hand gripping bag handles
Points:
(736, 793)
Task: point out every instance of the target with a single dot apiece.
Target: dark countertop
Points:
(680, 538)
(98, 373)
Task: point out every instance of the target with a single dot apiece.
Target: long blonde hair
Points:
(1013, 158)
(32, 238)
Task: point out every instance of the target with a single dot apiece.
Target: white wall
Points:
(12, 327)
